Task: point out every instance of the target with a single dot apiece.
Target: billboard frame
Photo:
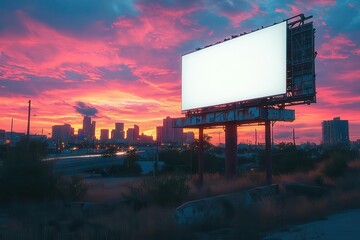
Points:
(300, 71)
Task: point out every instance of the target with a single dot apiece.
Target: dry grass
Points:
(114, 220)
(216, 184)
(107, 189)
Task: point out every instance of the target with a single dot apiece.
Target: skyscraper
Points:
(118, 133)
(88, 128)
(171, 134)
(136, 132)
(93, 130)
(335, 131)
(159, 134)
(130, 134)
(104, 135)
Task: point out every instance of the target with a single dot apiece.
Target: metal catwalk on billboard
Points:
(240, 116)
(246, 79)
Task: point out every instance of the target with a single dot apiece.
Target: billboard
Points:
(251, 66)
(301, 64)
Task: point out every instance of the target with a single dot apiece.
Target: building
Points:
(88, 129)
(13, 137)
(80, 135)
(93, 129)
(171, 134)
(133, 134)
(2, 136)
(136, 132)
(159, 134)
(62, 133)
(118, 134)
(145, 138)
(335, 131)
(130, 134)
(104, 135)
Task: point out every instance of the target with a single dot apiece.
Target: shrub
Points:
(24, 176)
(292, 161)
(335, 166)
(131, 169)
(167, 190)
(72, 189)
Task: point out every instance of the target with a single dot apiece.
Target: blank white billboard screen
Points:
(248, 67)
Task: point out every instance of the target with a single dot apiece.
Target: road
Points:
(70, 165)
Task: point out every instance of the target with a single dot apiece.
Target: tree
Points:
(206, 143)
(24, 176)
(129, 167)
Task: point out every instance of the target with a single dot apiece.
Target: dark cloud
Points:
(311, 135)
(85, 109)
(282, 135)
(121, 72)
(169, 3)
(31, 86)
(348, 106)
(75, 75)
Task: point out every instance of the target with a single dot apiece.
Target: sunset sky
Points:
(120, 60)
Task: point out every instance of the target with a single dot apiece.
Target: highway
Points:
(70, 165)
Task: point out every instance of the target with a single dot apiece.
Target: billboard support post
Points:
(201, 156)
(268, 156)
(252, 96)
(230, 149)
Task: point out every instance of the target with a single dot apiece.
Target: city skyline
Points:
(65, 133)
(121, 61)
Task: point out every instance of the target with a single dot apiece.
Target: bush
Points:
(335, 166)
(131, 169)
(24, 176)
(289, 160)
(73, 189)
(164, 191)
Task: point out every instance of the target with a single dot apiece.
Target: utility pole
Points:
(11, 131)
(294, 137)
(256, 142)
(268, 157)
(28, 125)
(201, 157)
(219, 138)
(272, 133)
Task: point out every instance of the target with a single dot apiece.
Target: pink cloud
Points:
(348, 75)
(157, 27)
(338, 47)
(44, 51)
(291, 10)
